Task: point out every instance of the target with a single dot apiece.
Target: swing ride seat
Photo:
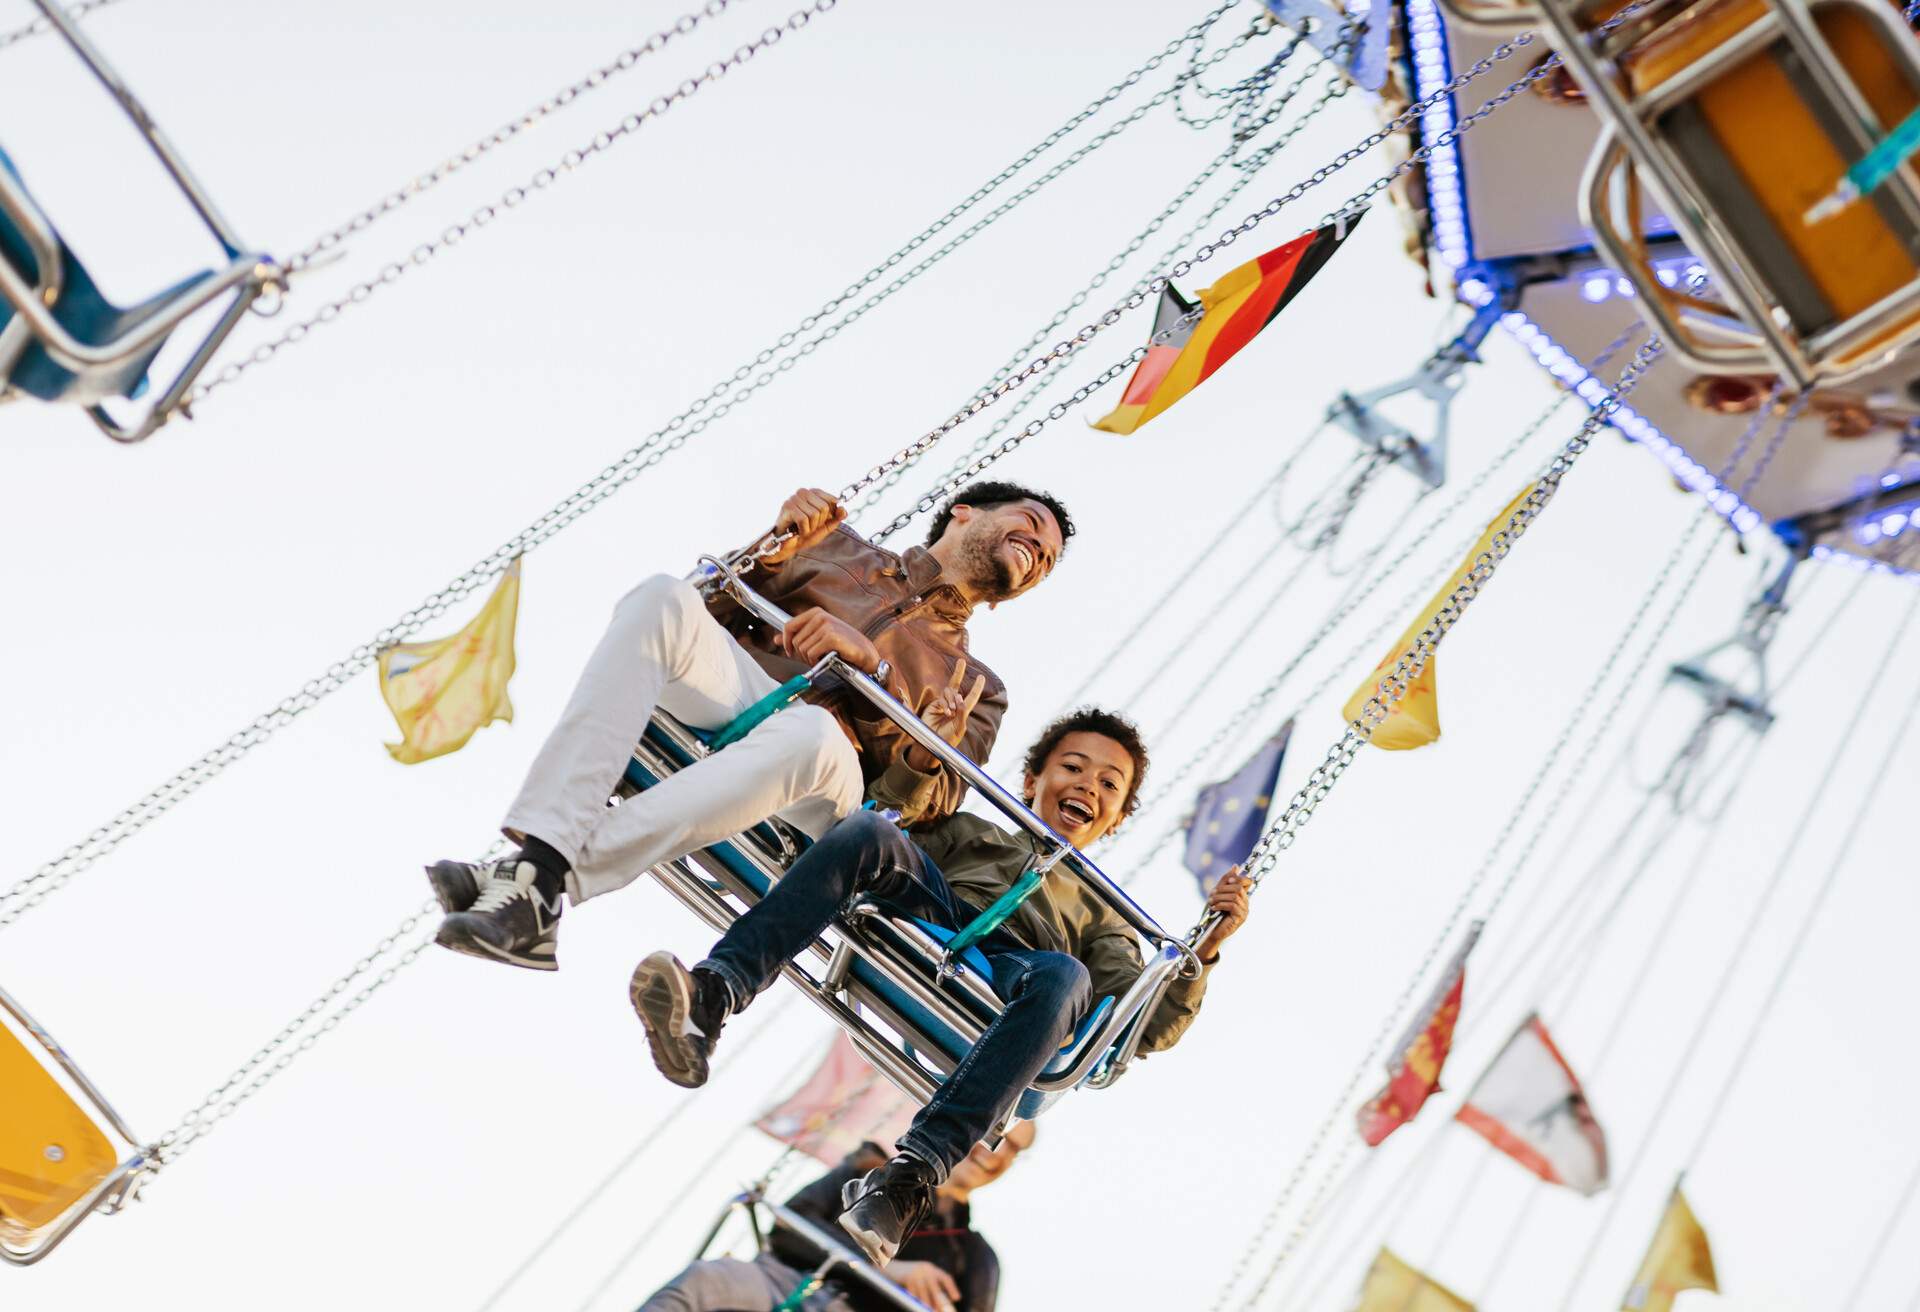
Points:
(64, 1152)
(886, 978)
(837, 1256)
(61, 339)
(1740, 115)
(887, 966)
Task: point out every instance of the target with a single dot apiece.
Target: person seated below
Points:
(945, 1264)
(1059, 952)
(900, 618)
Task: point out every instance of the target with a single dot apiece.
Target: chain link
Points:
(32, 890)
(320, 1018)
(40, 25)
(454, 234)
(1248, 167)
(1281, 835)
(452, 164)
(1392, 1022)
(1064, 350)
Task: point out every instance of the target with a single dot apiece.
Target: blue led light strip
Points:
(1453, 247)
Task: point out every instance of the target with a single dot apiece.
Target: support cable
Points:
(34, 889)
(1280, 836)
(1824, 779)
(41, 25)
(1392, 1022)
(1879, 1249)
(633, 1154)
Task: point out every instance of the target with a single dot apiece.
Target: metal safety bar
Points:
(725, 575)
(112, 1192)
(905, 954)
(840, 1258)
(1627, 131)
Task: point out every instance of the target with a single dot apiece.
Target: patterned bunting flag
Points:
(1183, 353)
(444, 691)
(1413, 1076)
(1228, 816)
(1529, 1105)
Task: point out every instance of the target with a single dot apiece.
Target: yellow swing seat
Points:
(64, 1152)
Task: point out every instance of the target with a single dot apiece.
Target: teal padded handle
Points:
(750, 719)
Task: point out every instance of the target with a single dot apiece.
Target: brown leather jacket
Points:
(919, 623)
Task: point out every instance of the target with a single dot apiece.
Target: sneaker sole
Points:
(662, 1000)
(871, 1244)
(455, 886)
(543, 955)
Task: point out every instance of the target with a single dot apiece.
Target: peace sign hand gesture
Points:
(946, 711)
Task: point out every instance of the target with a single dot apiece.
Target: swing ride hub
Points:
(1511, 194)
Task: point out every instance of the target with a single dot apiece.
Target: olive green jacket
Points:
(981, 861)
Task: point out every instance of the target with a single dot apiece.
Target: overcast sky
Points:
(160, 597)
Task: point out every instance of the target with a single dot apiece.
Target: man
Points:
(1058, 952)
(945, 1264)
(901, 619)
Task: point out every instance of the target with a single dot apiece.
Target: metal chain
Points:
(1064, 350)
(1604, 723)
(297, 1037)
(32, 890)
(1394, 685)
(1337, 617)
(1092, 108)
(40, 25)
(511, 199)
(452, 164)
(1249, 168)
(1281, 835)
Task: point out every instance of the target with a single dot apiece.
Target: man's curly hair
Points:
(989, 493)
(1092, 719)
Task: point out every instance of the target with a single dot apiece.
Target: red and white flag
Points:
(844, 1103)
(1413, 1076)
(1530, 1106)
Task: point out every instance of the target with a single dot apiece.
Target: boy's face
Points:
(1081, 790)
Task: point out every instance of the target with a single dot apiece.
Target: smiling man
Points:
(900, 618)
(1058, 952)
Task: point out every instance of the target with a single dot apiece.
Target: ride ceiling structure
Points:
(1502, 222)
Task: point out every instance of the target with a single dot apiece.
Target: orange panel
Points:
(1780, 151)
(51, 1151)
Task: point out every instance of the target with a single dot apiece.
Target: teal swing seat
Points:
(62, 340)
(911, 1010)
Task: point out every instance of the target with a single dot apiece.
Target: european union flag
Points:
(1229, 815)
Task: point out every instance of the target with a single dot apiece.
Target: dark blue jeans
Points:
(1045, 993)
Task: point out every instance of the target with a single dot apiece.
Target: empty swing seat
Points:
(883, 976)
(63, 1150)
(1740, 115)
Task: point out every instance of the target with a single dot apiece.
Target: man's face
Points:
(1081, 790)
(984, 1165)
(1004, 550)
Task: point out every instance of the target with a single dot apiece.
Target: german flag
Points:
(1183, 352)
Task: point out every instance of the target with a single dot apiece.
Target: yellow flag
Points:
(1678, 1258)
(1393, 1286)
(1414, 721)
(443, 691)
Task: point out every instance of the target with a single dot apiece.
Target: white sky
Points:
(162, 596)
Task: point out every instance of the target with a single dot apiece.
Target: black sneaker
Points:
(683, 1011)
(456, 884)
(508, 919)
(886, 1205)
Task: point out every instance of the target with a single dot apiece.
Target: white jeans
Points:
(664, 649)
